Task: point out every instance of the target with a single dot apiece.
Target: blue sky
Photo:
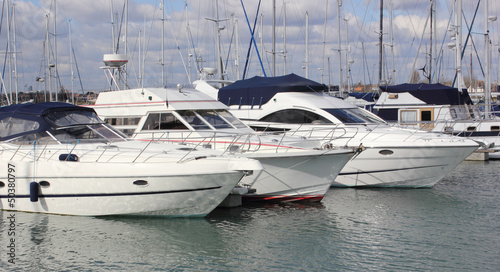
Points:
(91, 38)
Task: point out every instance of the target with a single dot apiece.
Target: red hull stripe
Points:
(284, 198)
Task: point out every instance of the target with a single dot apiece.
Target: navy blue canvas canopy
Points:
(36, 113)
(259, 90)
(432, 94)
(369, 97)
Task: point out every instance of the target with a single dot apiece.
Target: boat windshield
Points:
(231, 119)
(72, 118)
(193, 119)
(198, 119)
(220, 119)
(354, 116)
(61, 127)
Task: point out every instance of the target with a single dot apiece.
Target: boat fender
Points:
(34, 187)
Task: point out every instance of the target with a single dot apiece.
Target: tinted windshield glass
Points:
(193, 120)
(71, 118)
(295, 116)
(231, 119)
(213, 119)
(353, 116)
(161, 121)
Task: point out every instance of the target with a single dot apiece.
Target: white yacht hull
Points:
(290, 177)
(117, 185)
(410, 167)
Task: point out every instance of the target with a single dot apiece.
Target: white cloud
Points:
(91, 37)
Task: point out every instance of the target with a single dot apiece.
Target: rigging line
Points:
(146, 46)
(440, 56)
(467, 40)
(7, 48)
(229, 50)
(77, 69)
(1, 24)
(179, 49)
(253, 39)
(359, 27)
(420, 43)
(120, 28)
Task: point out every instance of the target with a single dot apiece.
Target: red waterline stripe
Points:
(283, 198)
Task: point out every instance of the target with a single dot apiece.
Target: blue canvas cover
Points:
(35, 112)
(369, 97)
(432, 94)
(259, 90)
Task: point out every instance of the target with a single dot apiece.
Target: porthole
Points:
(140, 182)
(68, 157)
(386, 152)
(44, 183)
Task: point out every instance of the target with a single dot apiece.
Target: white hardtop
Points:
(397, 99)
(133, 101)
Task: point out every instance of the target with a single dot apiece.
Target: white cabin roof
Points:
(133, 101)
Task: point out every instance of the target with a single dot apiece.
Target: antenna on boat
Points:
(111, 62)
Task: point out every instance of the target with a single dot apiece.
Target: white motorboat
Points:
(295, 169)
(439, 108)
(393, 157)
(62, 159)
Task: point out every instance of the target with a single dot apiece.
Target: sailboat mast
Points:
(458, 49)
(284, 37)
(71, 62)
(124, 68)
(487, 41)
(55, 53)
(14, 53)
(219, 60)
(341, 88)
(380, 41)
(274, 38)
(307, 45)
(47, 52)
(430, 42)
(9, 56)
(391, 37)
(237, 45)
(163, 44)
(324, 43)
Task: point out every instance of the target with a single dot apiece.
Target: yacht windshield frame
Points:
(356, 116)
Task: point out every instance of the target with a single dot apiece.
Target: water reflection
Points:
(453, 226)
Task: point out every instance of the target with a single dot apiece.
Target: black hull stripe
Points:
(389, 170)
(478, 134)
(116, 194)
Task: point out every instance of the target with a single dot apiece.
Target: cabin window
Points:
(495, 128)
(408, 116)
(193, 119)
(453, 113)
(158, 121)
(471, 129)
(12, 126)
(295, 116)
(213, 119)
(126, 121)
(426, 115)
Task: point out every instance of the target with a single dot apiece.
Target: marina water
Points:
(454, 226)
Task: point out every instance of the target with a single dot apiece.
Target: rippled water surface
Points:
(454, 226)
